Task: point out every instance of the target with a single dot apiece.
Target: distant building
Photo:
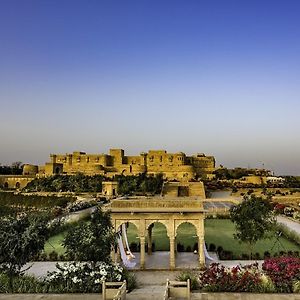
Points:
(174, 166)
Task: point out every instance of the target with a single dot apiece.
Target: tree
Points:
(21, 239)
(91, 241)
(254, 219)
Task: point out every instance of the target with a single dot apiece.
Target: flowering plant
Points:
(283, 271)
(84, 276)
(217, 278)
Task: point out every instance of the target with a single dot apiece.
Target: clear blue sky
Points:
(219, 77)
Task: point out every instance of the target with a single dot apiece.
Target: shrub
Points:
(22, 284)
(130, 280)
(217, 278)
(180, 247)
(133, 247)
(188, 249)
(245, 256)
(185, 275)
(296, 286)
(53, 256)
(283, 271)
(219, 249)
(212, 247)
(83, 277)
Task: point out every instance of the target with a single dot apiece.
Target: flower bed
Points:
(278, 275)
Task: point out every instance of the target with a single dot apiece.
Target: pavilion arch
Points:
(18, 185)
(136, 223)
(196, 224)
(145, 211)
(166, 223)
(6, 185)
(192, 234)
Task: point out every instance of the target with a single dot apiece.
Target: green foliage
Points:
(140, 184)
(21, 284)
(131, 280)
(292, 181)
(12, 204)
(91, 241)
(21, 239)
(192, 276)
(16, 168)
(66, 183)
(237, 173)
(82, 277)
(253, 219)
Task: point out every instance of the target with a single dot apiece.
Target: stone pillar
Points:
(201, 251)
(142, 252)
(150, 240)
(172, 252)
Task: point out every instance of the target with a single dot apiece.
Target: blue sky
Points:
(219, 77)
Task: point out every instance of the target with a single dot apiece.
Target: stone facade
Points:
(177, 166)
(183, 189)
(15, 181)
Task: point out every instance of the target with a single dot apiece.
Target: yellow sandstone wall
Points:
(171, 165)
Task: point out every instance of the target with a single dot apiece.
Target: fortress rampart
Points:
(177, 166)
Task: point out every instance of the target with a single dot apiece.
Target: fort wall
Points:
(176, 166)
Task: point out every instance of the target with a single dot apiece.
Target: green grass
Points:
(220, 232)
(55, 243)
(217, 231)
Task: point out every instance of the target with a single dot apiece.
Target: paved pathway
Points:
(289, 223)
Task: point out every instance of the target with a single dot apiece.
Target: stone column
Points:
(201, 250)
(172, 252)
(142, 252)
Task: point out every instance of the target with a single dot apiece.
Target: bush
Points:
(188, 249)
(133, 247)
(217, 278)
(85, 277)
(180, 247)
(22, 284)
(130, 280)
(219, 249)
(212, 247)
(193, 277)
(53, 256)
(296, 286)
(43, 256)
(283, 271)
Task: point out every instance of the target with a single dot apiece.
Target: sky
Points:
(216, 77)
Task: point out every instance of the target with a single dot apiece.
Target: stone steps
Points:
(148, 292)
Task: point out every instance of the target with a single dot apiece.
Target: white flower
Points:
(75, 279)
(97, 281)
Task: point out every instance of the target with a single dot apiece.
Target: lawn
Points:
(220, 232)
(55, 243)
(217, 231)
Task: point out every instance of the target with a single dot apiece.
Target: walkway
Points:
(289, 223)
